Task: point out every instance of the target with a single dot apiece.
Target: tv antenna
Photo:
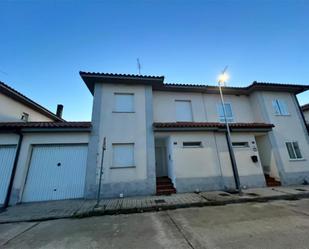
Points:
(139, 66)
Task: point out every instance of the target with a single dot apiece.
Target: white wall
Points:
(204, 106)
(11, 111)
(213, 158)
(30, 139)
(123, 128)
(288, 128)
(8, 139)
(267, 156)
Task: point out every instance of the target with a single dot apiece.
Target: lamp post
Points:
(223, 77)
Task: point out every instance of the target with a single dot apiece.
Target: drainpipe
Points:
(8, 194)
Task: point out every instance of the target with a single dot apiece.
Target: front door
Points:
(161, 169)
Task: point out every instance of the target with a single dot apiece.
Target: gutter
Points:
(9, 191)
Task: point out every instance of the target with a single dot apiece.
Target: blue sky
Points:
(44, 44)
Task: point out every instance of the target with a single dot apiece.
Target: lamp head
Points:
(223, 78)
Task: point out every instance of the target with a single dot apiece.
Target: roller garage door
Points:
(56, 172)
(7, 156)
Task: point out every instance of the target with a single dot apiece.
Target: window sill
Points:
(121, 112)
(283, 115)
(122, 167)
(300, 159)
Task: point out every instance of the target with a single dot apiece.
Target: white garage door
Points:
(56, 172)
(7, 156)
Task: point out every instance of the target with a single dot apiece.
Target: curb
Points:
(103, 211)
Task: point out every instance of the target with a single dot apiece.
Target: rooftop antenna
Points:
(139, 66)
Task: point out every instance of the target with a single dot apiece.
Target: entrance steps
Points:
(165, 186)
(271, 182)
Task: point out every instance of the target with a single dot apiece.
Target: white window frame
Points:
(117, 166)
(280, 107)
(115, 102)
(191, 111)
(221, 118)
(294, 151)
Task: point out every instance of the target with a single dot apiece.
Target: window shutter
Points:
(183, 111)
(290, 150)
(123, 155)
(124, 102)
(276, 107)
(283, 107)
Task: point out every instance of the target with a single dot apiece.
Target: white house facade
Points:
(160, 139)
(176, 131)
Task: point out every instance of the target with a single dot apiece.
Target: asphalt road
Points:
(279, 224)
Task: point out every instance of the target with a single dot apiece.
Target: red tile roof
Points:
(6, 126)
(157, 83)
(211, 125)
(12, 93)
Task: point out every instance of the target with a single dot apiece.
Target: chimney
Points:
(59, 111)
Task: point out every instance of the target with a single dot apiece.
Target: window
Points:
(280, 107)
(124, 102)
(123, 155)
(192, 144)
(183, 110)
(25, 117)
(240, 144)
(293, 150)
(228, 110)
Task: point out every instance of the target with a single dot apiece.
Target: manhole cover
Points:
(300, 189)
(252, 194)
(159, 201)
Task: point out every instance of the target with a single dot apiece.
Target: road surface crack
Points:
(180, 231)
(26, 230)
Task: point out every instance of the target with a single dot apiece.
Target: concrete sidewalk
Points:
(41, 211)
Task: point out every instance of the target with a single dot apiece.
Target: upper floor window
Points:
(280, 107)
(24, 117)
(183, 111)
(124, 102)
(228, 110)
(293, 150)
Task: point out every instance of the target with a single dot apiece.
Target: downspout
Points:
(9, 191)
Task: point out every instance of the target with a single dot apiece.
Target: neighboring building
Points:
(42, 157)
(15, 107)
(305, 109)
(155, 130)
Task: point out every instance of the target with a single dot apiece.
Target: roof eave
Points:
(28, 102)
(90, 79)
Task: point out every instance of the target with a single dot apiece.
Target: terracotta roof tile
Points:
(211, 125)
(43, 125)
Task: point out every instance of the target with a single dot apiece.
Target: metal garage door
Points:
(56, 172)
(7, 156)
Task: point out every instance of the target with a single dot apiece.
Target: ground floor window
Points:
(293, 150)
(123, 155)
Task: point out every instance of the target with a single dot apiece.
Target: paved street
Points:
(277, 224)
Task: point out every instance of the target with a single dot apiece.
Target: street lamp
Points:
(223, 77)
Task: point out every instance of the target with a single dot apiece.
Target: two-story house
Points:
(156, 132)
